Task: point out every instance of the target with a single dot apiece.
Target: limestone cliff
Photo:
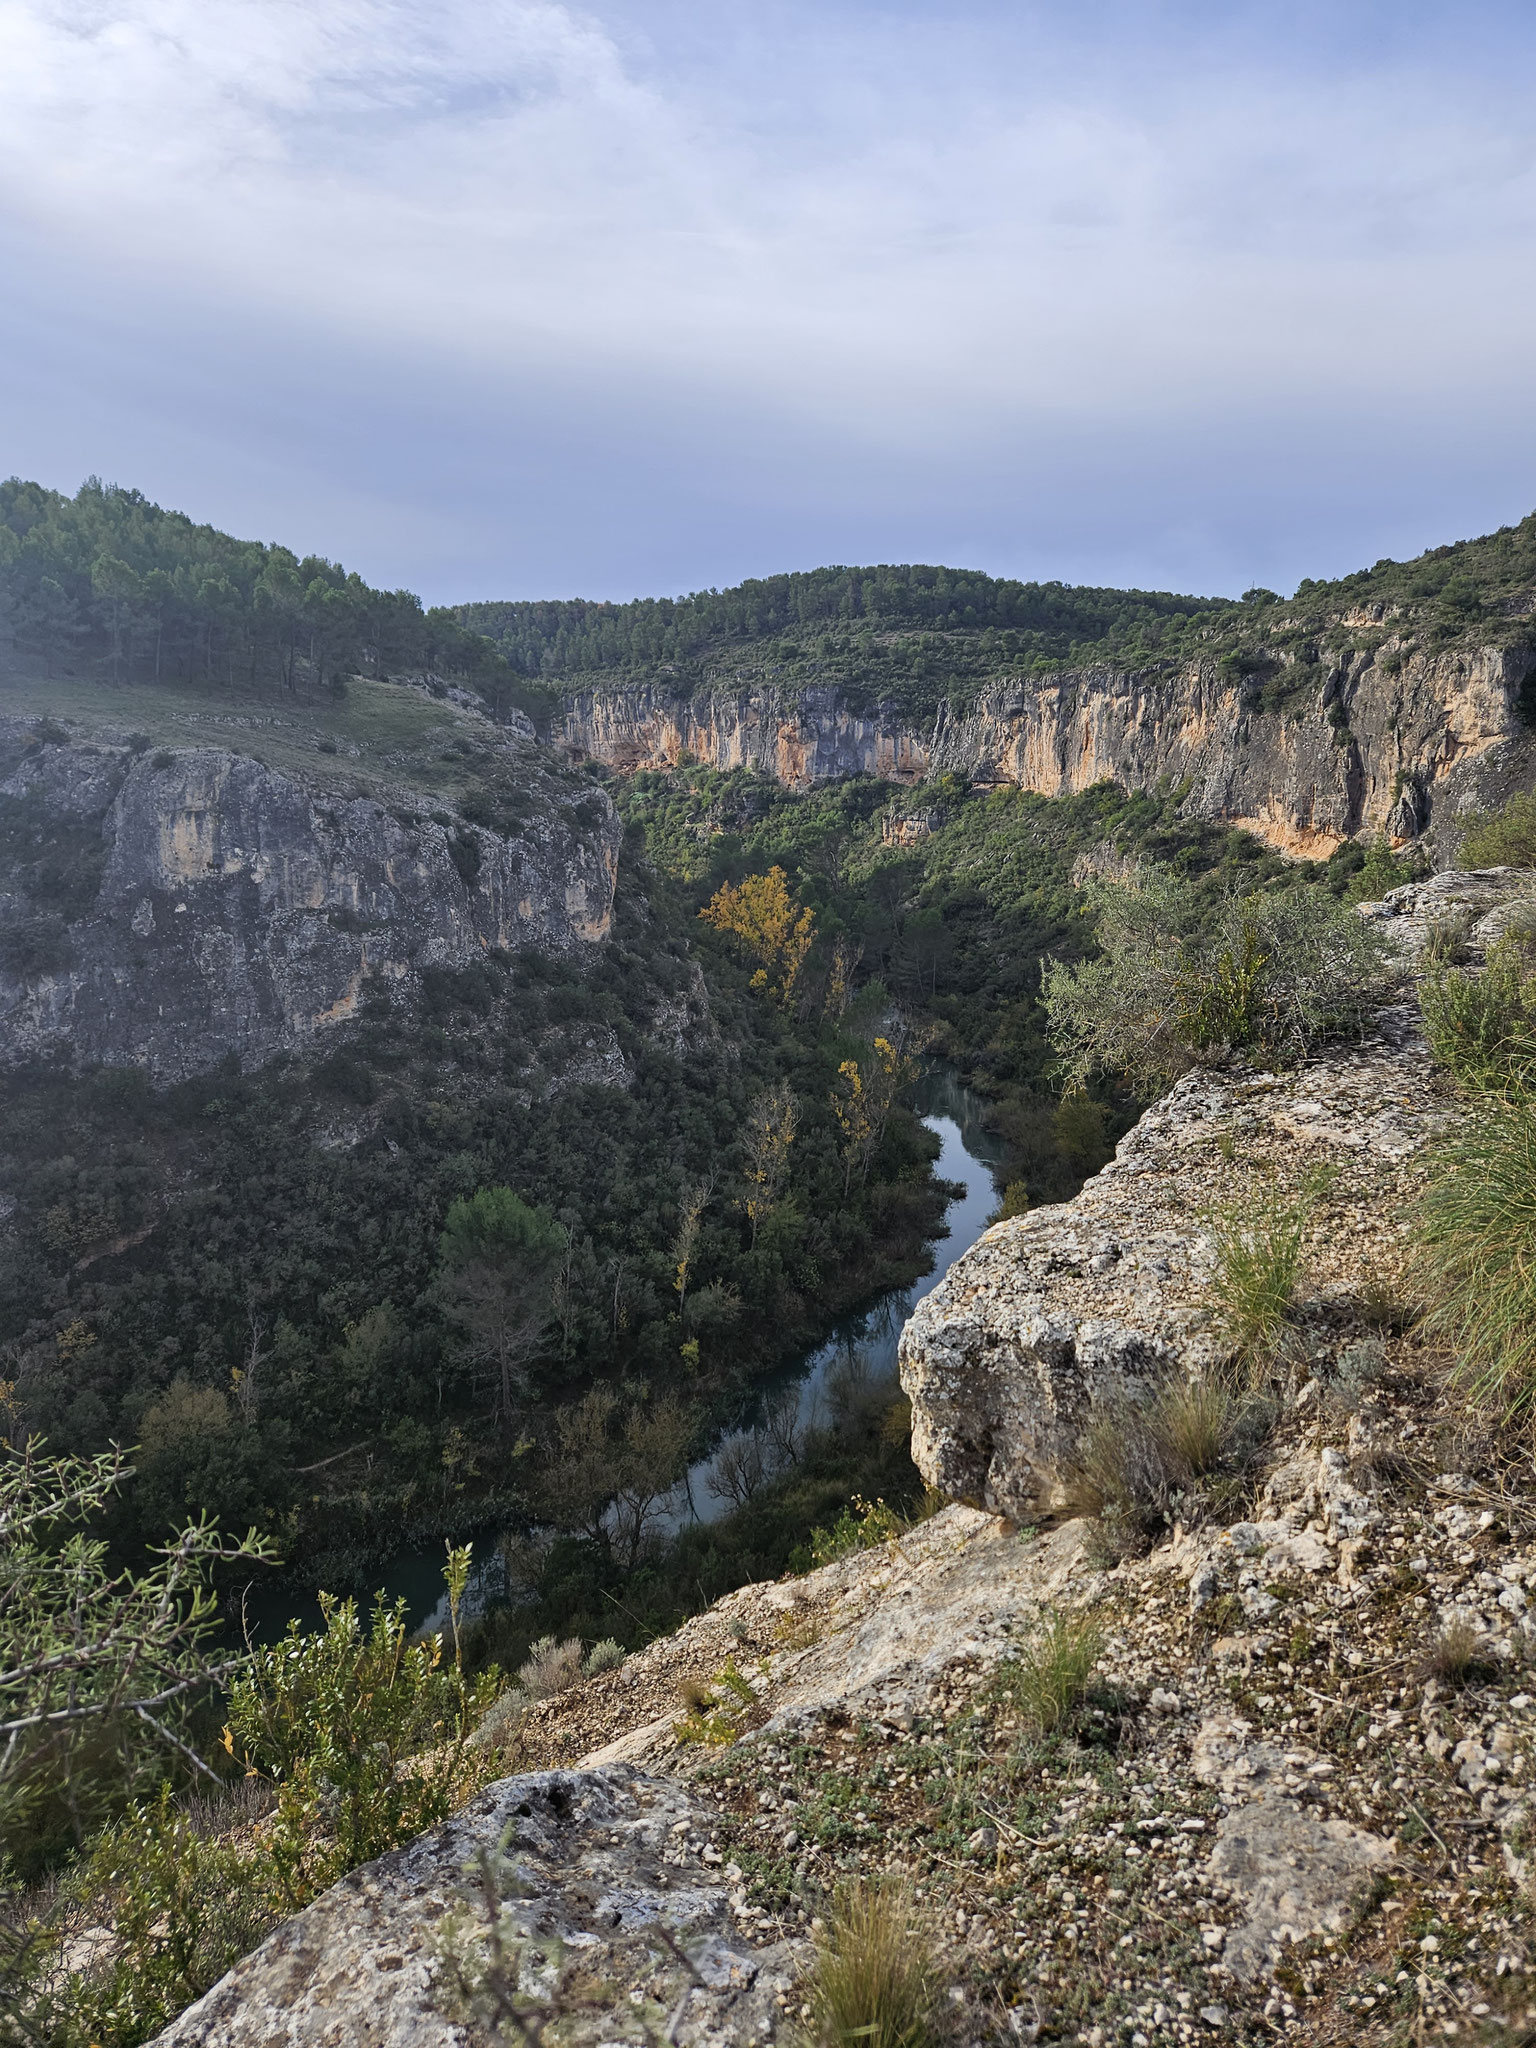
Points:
(1384, 741)
(165, 910)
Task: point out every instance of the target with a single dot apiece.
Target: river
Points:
(862, 1346)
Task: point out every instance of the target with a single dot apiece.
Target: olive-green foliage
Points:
(1260, 1241)
(1477, 1251)
(862, 1525)
(1503, 838)
(351, 1742)
(1483, 1025)
(361, 1734)
(98, 1663)
(875, 1982)
(1380, 873)
(1178, 978)
(1048, 1679)
(184, 1900)
(1143, 1465)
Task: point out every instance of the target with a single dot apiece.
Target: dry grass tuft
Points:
(550, 1667)
(875, 1982)
(1259, 1245)
(1458, 1655)
(1140, 1467)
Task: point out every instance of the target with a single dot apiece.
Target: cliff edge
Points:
(167, 909)
(1278, 1805)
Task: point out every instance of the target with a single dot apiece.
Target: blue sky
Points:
(510, 298)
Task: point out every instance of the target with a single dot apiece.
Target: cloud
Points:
(952, 248)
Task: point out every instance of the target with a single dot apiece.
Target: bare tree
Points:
(739, 1468)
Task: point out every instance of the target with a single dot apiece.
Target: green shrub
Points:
(97, 1666)
(1047, 1680)
(1477, 1252)
(1483, 1026)
(1179, 978)
(182, 1906)
(1380, 873)
(861, 1526)
(875, 1983)
(362, 1736)
(1505, 838)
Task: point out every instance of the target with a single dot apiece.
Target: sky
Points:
(508, 298)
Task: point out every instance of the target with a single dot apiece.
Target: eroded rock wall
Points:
(241, 911)
(1374, 748)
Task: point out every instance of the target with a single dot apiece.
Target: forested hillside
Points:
(106, 584)
(913, 637)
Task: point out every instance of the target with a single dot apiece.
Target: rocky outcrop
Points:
(231, 909)
(1239, 1818)
(545, 1888)
(1057, 1316)
(1386, 742)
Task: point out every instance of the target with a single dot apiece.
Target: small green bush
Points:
(1483, 1026)
(875, 1983)
(1477, 1252)
(862, 1525)
(183, 1905)
(607, 1655)
(1048, 1679)
(1380, 873)
(362, 1736)
(1505, 838)
(1179, 978)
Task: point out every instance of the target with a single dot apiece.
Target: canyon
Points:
(1387, 742)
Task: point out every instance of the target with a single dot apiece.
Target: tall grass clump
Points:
(1142, 1465)
(1048, 1679)
(1483, 1026)
(1260, 1241)
(875, 1983)
(1477, 1253)
(1181, 977)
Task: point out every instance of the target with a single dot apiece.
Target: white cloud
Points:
(898, 232)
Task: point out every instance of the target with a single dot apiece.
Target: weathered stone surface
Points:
(1479, 902)
(1055, 1313)
(1418, 740)
(1296, 1874)
(240, 911)
(591, 1870)
(883, 1629)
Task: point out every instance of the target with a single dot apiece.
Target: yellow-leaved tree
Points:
(761, 916)
(862, 1103)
